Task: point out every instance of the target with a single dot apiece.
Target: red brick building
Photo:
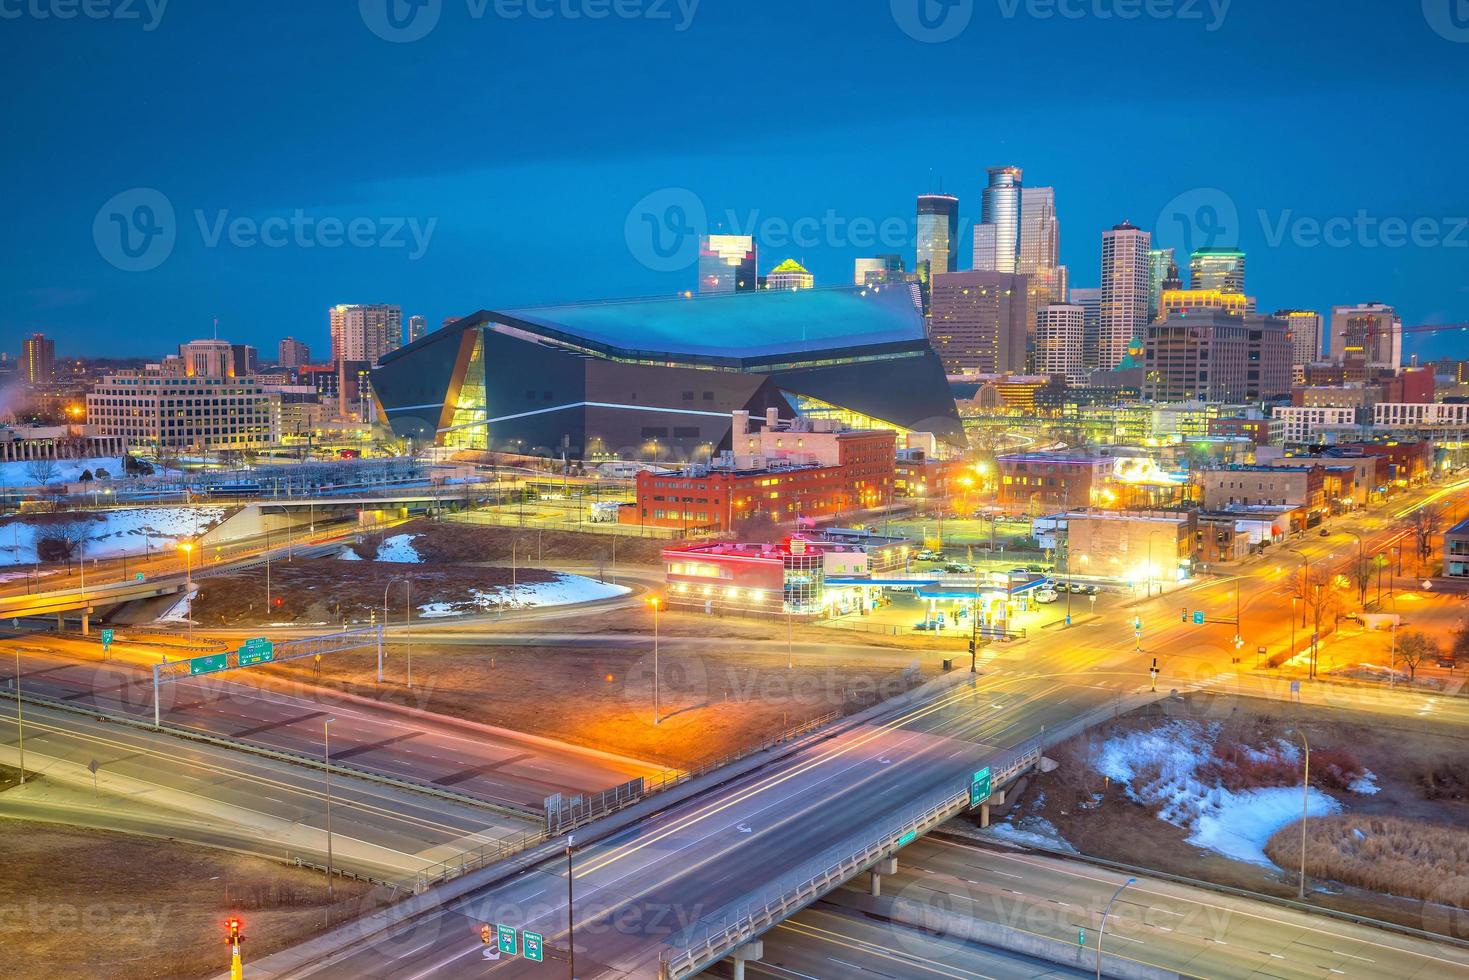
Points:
(716, 499)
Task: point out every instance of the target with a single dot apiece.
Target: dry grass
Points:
(1399, 857)
(89, 903)
(453, 542)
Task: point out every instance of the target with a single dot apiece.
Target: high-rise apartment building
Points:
(978, 321)
(938, 235)
(417, 327)
(1222, 269)
(1305, 328)
(1125, 256)
(789, 275)
(1366, 338)
(727, 264)
(1090, 301)
(1060, 336)
(1000, 209)
(1160, 262)
(292, 353)
(38, 359)
(365, 332)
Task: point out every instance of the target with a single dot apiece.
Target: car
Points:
(1047, 596)
(1325, 533)
(958, 568)
(1093, 590)
(1447, 660)
(1019, 571)
(929, 625)
(1076, 588)
(1037, 568)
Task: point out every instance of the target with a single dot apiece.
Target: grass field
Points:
(1407, 858)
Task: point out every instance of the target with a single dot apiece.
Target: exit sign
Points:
(979, 787)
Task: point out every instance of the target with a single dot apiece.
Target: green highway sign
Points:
(908, 838)
(979, 787)
(533, 946)
(209, 664)
(107, 637)
(258, 650)
(1199, 618)
(506, 937)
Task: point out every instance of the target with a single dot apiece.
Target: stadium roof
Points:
(729, 327)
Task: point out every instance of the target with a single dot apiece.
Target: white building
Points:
(1371, 333)
(365, 332)
(1126, 255)
(166, 412)
(1316, 424)
(1060, 335)
(1430, 416)
(1305, 335)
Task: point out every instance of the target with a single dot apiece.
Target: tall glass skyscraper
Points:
(727, 264)
(1000, 206)
(1159, 261)
(938, 234)
(1217, 268)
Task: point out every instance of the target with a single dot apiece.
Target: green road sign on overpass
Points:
(979, 787)
(209, 664)
(533, 942)
(257, 650)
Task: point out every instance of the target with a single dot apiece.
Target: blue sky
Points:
(506, 159)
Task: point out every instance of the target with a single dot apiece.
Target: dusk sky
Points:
(500, 161)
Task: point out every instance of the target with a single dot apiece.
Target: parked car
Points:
(1020, 571)
(1093, 590)
(1076, 588)
(1447, 660)
(929, 624)
(958, 568)
(1047, 596)
(929, 555)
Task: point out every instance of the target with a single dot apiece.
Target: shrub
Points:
(1385, 854)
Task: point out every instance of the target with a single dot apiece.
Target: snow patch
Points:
(1031, 830)
(399, 548)
(179, 611)
(113, 533)
(66, 471)
(1365, 784)
(347, 554)
(563, 590)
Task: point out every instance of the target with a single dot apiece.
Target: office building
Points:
(658, 379)
(1040, 231)
(1000, 209)
(168, 412)
(292, 353)
(417, 327)
(1183, 302)
(1161, 266)
(1124, 314)
(244, 360)
(38, 359)
(1060, 337)
(977, 322)
(1305, 334)
(1090, 301)
(1269, 376)
(1221, 269)
(790, 274)
(1216, 356)
(938, 235)
(986, 242)
(365, 332)
(727, 264)
(1366, 338)
(879, 270)
(206, 359)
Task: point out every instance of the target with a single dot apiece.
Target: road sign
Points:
(979, 787)
(137, 576)
(533, 946)
(257, 650)
(209, 664)
(908, 838)
(106, 639)
(506, 937)
(1199, 617)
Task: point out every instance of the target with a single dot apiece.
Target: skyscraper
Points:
(1060, 334)
(292, 353)
(986, 244)
(1160, 261)
(1366, 338)
(1124, 314)
(1040, 232)
(978, 321)
(938, 235)
(417, 328)
(365, 332)
(727, 264)
(37, 359)
(1090, 301)
(1305, 334)
(790, 274)
(1217, 268)
(878, 270)
(1000, 207)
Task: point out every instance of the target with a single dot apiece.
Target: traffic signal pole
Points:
(237, 969)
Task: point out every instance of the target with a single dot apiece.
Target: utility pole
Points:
(1305, 808)
(20, 726)
(570, 914)
(326, 751)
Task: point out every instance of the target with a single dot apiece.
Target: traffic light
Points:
(487, 935)
(1183, 617)
(234, 938)
(278, 602)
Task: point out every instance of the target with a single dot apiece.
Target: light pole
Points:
(1305, 807)
(326, 752)
(570, 914)
(1305, 579)
(655, 602)
(20, 719)
(1101, 930)
(187, 547)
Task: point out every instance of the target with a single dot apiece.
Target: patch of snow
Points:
(67, 471)
(564, 590)
(399, 548)
(435, 610)
(347, 554)
(1032, 830)
(179, 611)
(113, 533)
(1365, 784)
(1238, 825)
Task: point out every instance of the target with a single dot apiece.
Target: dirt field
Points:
(713, 703)
(327, 590)
(1416, 773)
(453, 542)
(86, 903)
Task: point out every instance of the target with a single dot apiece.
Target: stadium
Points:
(658, 379)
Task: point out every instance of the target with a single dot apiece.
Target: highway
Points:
(495, 765)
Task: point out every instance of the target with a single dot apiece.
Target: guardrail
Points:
(837, 866)
(344, 873)
(480, 857)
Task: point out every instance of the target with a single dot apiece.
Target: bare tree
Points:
(1426, 523)
(1323, 601)
(1414, 648)
(1363, 569)
(43, 471)
(63, 540)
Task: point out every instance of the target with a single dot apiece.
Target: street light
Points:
(655, 602)
(408, 619)
(20, 719)
(1102, 929)
(326, 754)
(1305, 808)
(187, 547)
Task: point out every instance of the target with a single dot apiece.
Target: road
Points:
(495, 765)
